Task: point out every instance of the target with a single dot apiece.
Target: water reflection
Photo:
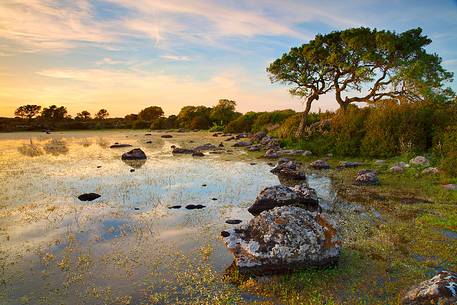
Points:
(30, 149)
(56, 147)
(134, 163)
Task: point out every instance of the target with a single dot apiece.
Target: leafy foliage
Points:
(27, 111)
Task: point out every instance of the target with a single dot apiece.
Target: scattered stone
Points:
(132, 170)
(283, 239)
(194, 206)
(174, 207)
(280, 195)
(258, 136)
(450, 187)
(271, 154)
(99, 166)
(166, 136)
(134, 154)
(290, 152)
(136, 209)
(242, 144)
(420, 160)
(397, 169)
(148, 134)
(289, 169)
(431, 170)
(213, 198)
(186, 151)
(254, 147)
(348, 164)
(203, 185)
(380, 162)
(181, 130)
(307, 153)
(221, 145)
(173, 146)
(88, 196)
(233, 221)
(215, 134)
(440, 289)
(230, 139)
(252, 163)
(366, 177)
(320, 164)
(148, 142)
(204, 147)
(241, 136)
(117, 145)
(198, 154)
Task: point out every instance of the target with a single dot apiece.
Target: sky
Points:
(125, 55)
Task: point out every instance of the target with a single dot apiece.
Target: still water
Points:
(126, 247)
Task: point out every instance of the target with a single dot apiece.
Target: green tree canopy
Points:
(363, 65)
(150, 113)
(102, 114)
(194, 117)
(224, 112)
(27, 111)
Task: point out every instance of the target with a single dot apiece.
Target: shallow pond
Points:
(128, 246)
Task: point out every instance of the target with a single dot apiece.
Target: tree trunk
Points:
(301, 127)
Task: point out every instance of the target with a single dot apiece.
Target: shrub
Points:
(348, 130)
(243, 123)
(268, 119)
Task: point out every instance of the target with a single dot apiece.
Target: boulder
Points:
(265, 140)
(431, 171)
(283, 239)
(271, 153)
(88, 196)
(207, 146)
(419, 160)
(242, 144)
(178, 150)
(289, 169)
(290, 152)
(134, 154)
(117, 145)
(440, 289)
(320, 164)
(258, 136)
(279, 195)
(366, 177)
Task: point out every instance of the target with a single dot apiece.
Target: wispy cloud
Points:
(175, 57)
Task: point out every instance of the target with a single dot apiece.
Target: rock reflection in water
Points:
(135, 163)
(30, 149)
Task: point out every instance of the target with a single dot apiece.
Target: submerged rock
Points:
(198, 154)
(88, 196)
(242, 144)
(290, 170)
(174, 207)
(320, 164)
(254, 147)
(274, 196)
(117, 145)
(207, 146)
(134, 154)
(348, 164)
(366, 177)
(194, 206)
(440, 289)
(283, 239)
(166, 136)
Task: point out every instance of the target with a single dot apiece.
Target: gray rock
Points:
(307, 153)
(279, 195)
(420, 160)
(440, 289)
(242, 144)
(397, 169)
(186, 151)
(349, 164)
(271, 154)
(283, 239)
(431, 171)
(380, 162)
(366, 177)
(134, 154)
(117, 145)
(254, 148)
(289, 169)
(258, 136)
(204, 147)
(320, 164)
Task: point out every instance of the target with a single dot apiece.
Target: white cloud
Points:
(175, 57)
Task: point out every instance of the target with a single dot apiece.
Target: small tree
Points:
(27, 111)
(83, 115)
(102, 114)
(54, 113)
(150, 113)
(224, 112)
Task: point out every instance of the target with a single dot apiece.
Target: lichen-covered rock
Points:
(134, 154)
(283, 239)
(258, 136)
(320, 164)
(440, 289)
(397, 169)
(290, 152)
(349, 164)
(366, 177)
(254, 147)
(431, 171)
(289, 169)
(271, 154)
(419, 160)
(280, 195)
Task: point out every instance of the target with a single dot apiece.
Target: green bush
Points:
(449, 164)
(216, 127)
(243, 123)
(348, 130)
(289, 127)
(266, 120)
